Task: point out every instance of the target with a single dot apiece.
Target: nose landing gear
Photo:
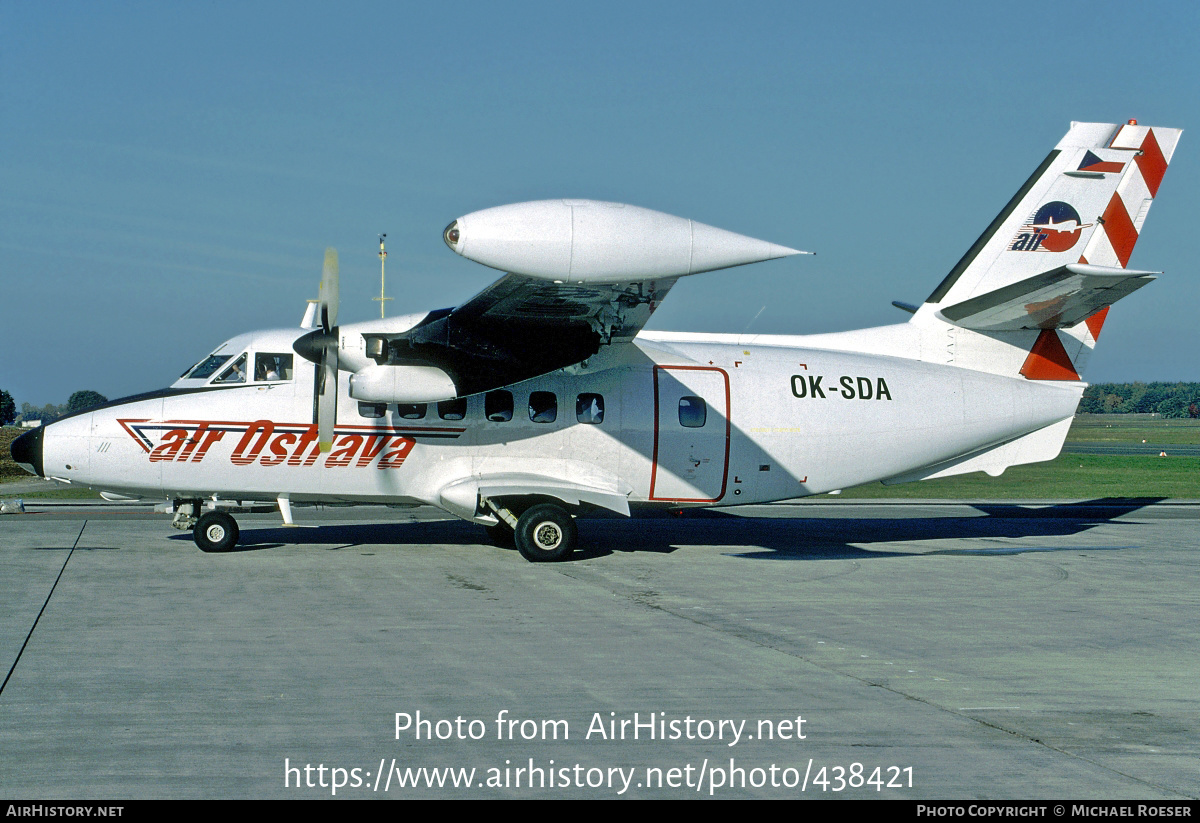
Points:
(215, 531)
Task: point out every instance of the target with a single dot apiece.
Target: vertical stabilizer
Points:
(1040, 279)
(1085, 203)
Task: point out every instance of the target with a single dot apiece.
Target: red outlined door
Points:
(691, 434)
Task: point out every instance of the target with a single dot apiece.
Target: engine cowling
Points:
(402, 384)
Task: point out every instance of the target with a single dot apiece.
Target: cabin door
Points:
(691, 434)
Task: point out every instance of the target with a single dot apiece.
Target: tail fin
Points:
(1055, 257)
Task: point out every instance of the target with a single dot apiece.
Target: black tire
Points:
(546, 533)
(501, 535)
(215, 532)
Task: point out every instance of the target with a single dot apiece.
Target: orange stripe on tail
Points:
(1048, 359)
(1096, 322)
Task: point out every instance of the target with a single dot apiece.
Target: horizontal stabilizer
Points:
(1058, 298)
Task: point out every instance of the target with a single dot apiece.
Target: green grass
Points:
(1069, 476)
(8, 469)
(1133, 429)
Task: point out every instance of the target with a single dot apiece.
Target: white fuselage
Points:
(674, 420)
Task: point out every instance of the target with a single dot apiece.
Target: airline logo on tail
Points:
(1054, 227)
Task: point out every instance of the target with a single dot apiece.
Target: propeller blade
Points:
(327, 398)
(329, 290)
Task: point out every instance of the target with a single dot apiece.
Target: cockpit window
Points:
(205, 368)
(272, 367)
(234, 374)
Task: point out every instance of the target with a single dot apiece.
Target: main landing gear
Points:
(546, 533)
(543, 533)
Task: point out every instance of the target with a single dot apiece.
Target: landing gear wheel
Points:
(501, 535)
(546, 533)
(215, 532)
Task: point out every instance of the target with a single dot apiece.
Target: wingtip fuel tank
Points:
(589, 241)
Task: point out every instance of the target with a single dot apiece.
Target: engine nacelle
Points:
(589, 241)
(402, 384)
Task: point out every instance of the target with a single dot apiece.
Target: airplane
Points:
(1069, 226)
(542, 397)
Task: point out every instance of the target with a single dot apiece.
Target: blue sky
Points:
(171, 173)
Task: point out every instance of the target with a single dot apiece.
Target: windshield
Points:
(235, 373)
(206, 367)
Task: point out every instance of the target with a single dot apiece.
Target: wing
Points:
(580, 275)
(520, 327)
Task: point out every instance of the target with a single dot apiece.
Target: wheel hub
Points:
(548, 535)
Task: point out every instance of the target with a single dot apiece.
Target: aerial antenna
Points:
(382, 298)
(755, 317)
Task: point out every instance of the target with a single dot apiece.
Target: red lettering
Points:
(192, 442)
(374, 447)
(395, 458)
(308, 437)
(169, 447)
(348, 447)
(279, 449)
(242, 457)
(211, 437)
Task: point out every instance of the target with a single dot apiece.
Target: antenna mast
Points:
(382, 298)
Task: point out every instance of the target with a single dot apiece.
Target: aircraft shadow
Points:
(757, 538)
(353, 535)
(834, 538)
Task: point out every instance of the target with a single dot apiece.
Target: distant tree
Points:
(81, 400)
(31, 412)
(1175, 406)
(1134, 397)
(8, 408)
(1153, 396)
(1091, 403)
(46, 413)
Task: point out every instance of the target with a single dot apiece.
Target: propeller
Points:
(321, 347)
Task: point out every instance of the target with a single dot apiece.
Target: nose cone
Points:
(27, 451)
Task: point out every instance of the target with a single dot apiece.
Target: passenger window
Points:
(411, 411)
(543, 407)
(498, 406)
(272, 367)
(589, 408)
(692, 412)
(372, 411)
(234, 374)
(453, 409)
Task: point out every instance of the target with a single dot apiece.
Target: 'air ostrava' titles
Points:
(263, 443)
